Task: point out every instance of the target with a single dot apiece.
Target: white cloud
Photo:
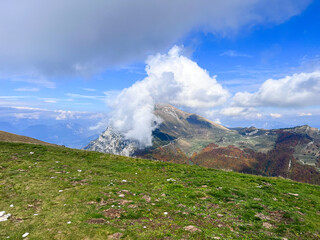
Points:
(232, 53)
(275, 115)
(27, 89)
(63, 115)
(79, 36)
(172, 78)
(39, 81)
(304, 114)
(92, 97)
(298, 90)
(240, 112)
(27, 115)
(89, 89)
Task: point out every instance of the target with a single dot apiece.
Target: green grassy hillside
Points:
(60, 193)
(10, 137)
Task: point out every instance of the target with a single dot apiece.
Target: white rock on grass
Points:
(165, 213)
(79, 170)
(3, 216)
(11, 205)
(69, 222)
(60, 190)
(171, 180)
(31, 153)
(124, 181)
(25, 235)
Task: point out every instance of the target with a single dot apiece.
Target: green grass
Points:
(221, 204)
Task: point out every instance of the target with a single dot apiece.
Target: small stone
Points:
(219, 215)
(4, 217)
(144, 227)
(257, 199)
(11, 205)
(121, 195)
(124, 181)
(136, 173)
(262, 216)
(275, 199)
(31, 153)
(165, 213)
(171, 180)
(220, 225)
(69, 222)
(79, 170)
(294, 194)
(147, 198)
(267, 225)
(60, 190)
(192, 229)
(216, 238)
(219, 188)
(204, 186)
(25, 235)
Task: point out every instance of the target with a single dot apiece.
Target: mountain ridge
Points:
(191, 139)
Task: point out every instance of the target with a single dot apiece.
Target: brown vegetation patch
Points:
(115, 236)
(96, 221)
(112, 213)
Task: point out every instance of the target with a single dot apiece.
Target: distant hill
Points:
(62, 193)
(188, 138)
(10, 137)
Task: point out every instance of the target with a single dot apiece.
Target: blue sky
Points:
(72, 65)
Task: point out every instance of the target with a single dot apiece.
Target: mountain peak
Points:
(111, 141)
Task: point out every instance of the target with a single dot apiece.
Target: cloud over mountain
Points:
(81, 36)
(172, 78)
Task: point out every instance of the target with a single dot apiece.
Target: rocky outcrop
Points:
(111, 141)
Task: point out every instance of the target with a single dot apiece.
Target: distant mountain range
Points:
(191, 139)
(70, 134)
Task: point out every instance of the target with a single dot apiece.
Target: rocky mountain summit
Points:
(111, 141)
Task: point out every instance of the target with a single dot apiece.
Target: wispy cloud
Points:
(27, 89)
(89, 89)
(39, 81)
(92, 97)
(232, 53)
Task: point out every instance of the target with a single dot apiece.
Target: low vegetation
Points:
(60, 193)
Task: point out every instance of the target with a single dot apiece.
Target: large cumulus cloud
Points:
(81, 36)
(171, 78)
(297, 90)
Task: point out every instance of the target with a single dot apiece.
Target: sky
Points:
(239, 63)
